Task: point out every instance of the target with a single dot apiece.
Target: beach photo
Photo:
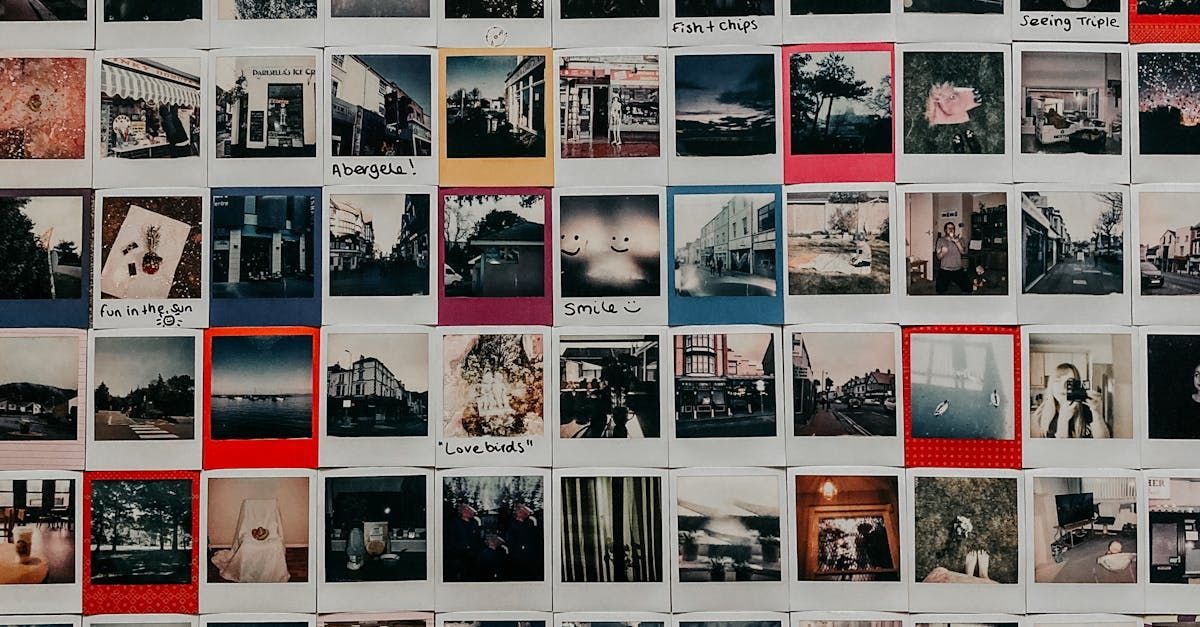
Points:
(844, 384)
(40, 247)
(608, 386)
(611, 529)
(381, 105)
(152, 10)
(150, 108)
(266, 106)
(39, 517)
(1080, 385)
(495, 245)
(841, 102)
(1174, 513)
(847, 528)
(266, 9)
(1072, 102)
(838, 243)
(39, 388)
(43, 112)
(145, 388)
(966, 529)
(724, 105)
(957, 243)
(377, 384)
(724, 385)
(954, 6)
(1168, 222)
(725, 244)
(493, 529)
(141, 531)
(43, 10)
(258, 530)
(840, 7)
(1173, 386)
(493, 385)
(151, 247)
(379, 8)
(954, 103)
(375, 529)
(1168, 104)
(729, 528)
(263, 245)
(261, 387)
(609, 246)
(378, 244)
(1073, 242)
(495, 105)
(1085, 530)
(609, 104)
(962, 385)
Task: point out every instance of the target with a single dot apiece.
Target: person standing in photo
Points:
(614, 121)
(951, 261)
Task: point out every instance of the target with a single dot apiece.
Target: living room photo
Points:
(1071, 102)
(1085, 529)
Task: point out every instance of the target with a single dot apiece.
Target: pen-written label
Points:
(1068, 23)
(148, 314)
(486, 446)
(742, 25)
(375, 171)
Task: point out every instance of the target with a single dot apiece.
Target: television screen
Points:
(1073, 508)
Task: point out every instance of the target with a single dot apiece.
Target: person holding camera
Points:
(1066, 409)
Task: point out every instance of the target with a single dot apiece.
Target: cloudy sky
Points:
(709, 87)
(845, 355)
(405, 354)
(262, 364)
(43, 360)
(125, 363)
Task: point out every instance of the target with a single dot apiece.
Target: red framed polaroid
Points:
(257, 382)
(820, 162)
(962, 396)
(115, 590)
(1162, 28)
(489, 270)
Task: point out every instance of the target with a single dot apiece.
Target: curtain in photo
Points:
(611, 529)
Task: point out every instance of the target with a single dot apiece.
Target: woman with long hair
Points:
(1061, 416)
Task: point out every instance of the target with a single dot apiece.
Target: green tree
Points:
(836, 80)
(25, 273)
(103, 397)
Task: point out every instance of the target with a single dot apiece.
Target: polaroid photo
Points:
(377, 406)
(495, 248)
(140, 529)
(1071, 112)
(1169, 387)
(965, 620)
(1161, 21)
(959, 262)
(731, 547)
(1166, 140)
(591, 23)
(946, 20)
(148, 252)
(380, 115)
(609, 119)
(145, 399)
(610, 267)
(1082, 620)
(42, 375)
(482, 24)
(491, 383)
(260, 403)
(1163, 229)
(497, 128)
(141, 620)
(378, 619)
(41, 556)
(381, 22)
(726, 257)
(55, 25)
(46, 120)
(265, 249)
(264, 23)
(494, 539)
(380, 267)
(856, 144)
(258, 531)
(48, 232)
(1084, 523)
(839, 253)
(609, 551)
(845, 618)
(153, 24)
(967, 527)
(621, 618)
(724, 405)
(374, 528)
(1071, 20)
(847, 531)
(820, 21)
(953, 117)
(1078, 385)
(41, 620)
(498, 619)
(264, 115)
(712, 22)
(263, 619)
(843, 392)
(610, 397)
(148, 123)
(725, 106)
(730, 619)
(1173, 511)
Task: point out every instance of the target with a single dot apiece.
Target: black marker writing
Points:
(374, 170)
(726, 25)
(513, 446)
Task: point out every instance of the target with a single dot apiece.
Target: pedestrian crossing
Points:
(151, 432)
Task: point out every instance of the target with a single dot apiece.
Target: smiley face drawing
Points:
(619, 245)
(564, 242)
(632, 306)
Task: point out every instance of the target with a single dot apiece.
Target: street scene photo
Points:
(1073, 242)
(1169, 100)
(725, 245)
(261, 387)
(151, 247)
(40, 516)
(966, 530)
(152, 10)
(495, 245)
(493, 528)
(495, 105)
(724, 385)
(1072, 102)
(141, 531)
(381, 105)
(954, 101)
(1173, 386)
(1174, 510)
(263, 245)
(844, 384)
(375, 529)
(847, 528)
(150, 108)
(841, 102)
(266, 106)
(729, 528)
(39, 388)
(1080, 385)
(40, 239)
(377, 384)
(838, 243)
(611, 529)
(1169, 250)
(43, 10)
(609, 246)
(43, 110)
(724, 105)
(608, 386)
(258, 530)
(378, 244)
(962, 385)
(493, 385)
(145, 388)
(957, 243)
(1085, 530)
(609, 105)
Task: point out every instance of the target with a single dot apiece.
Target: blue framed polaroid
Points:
(45, 248)
(726, 254)
(265, 253)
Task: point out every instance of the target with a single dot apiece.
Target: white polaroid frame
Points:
(505, 595)
(264, 597)
(705, 596)
(635, 31)
(144, 313)
(949, 167)
(462, 452)
(228, 33)
(759, 169)
(380, 309)
(871, 617)
(611, 596)
(826, 307)
(935, 309)
(153, 453)
(1162, 597)
(634, 619)
(677, 620)
(51, 454)
(930, 26)
(724, 30)
(963, 620)
(161, 620)
(375, 596)
(264, 171)
(1162, 308)
(1081, 453)
(217, 620)
(54, 34)
(1101, 308)
(1075, 166)
(605, 452)
(50, 597)
(1115, 620)
(489, 32)
(523, 616)
(380, 170)
(889, 596)
(583, 171)
(1084, 597)
(173, 171)
(1158, 452)
(718, 451)
(325, 620)
(54, 173)
(1157, 168)
(69, 620)
(193, 34)
(355, 31)
(839, 27)
(964, 597)
(836, 450)
(1068, 25)
(338, 451)
(610, 310)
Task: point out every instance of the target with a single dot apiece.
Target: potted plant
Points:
(743, 571)
(770, 548)
(151, 261)
(691, 550)
(716, 568)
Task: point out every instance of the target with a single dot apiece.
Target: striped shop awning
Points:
(118, 81)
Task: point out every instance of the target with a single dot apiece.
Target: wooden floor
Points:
(297, 563)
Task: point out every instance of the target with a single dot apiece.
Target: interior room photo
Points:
(40, 513)
(375, 528)
(1071, 102)
(1174, 505)
(258, 529)
(1085, 530)
(1101, 367)
(979, 221)
(847, 528)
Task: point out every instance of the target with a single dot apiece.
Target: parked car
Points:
(1151, 276)
(854, 401)
(450, 277)
(889, 403)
